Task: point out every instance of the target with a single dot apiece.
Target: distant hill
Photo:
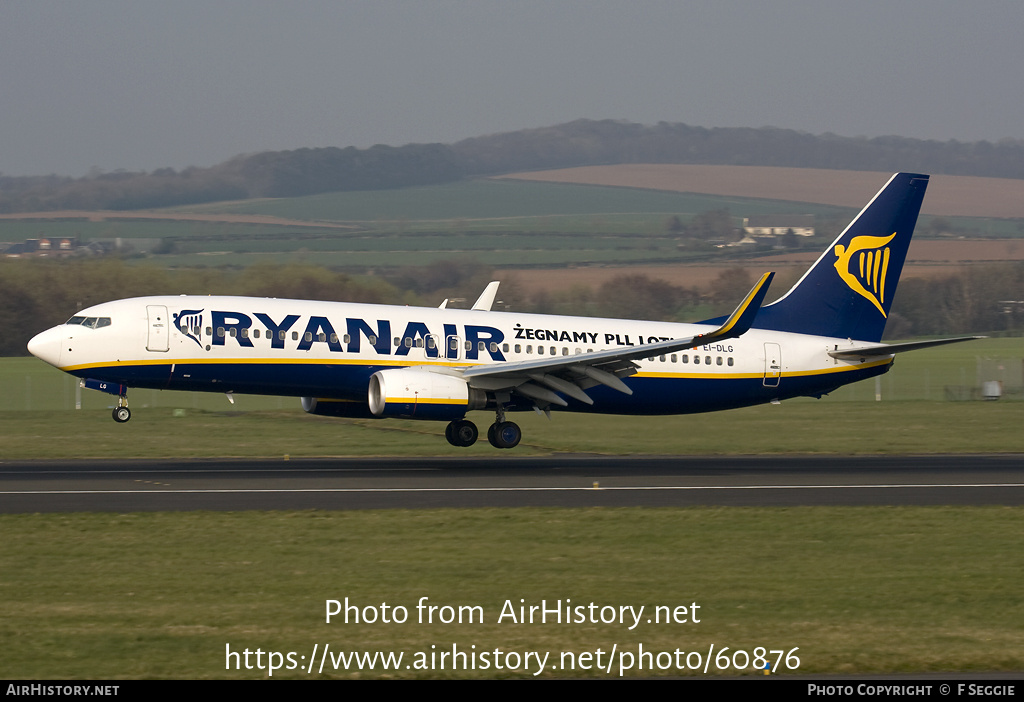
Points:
(578, 143)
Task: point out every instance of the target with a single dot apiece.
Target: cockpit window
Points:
(90, 322)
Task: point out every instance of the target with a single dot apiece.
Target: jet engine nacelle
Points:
(419, 394)
(330, 407)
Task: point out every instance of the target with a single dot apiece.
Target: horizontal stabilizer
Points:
(889, 349)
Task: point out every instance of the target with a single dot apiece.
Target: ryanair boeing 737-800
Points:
(357, 360)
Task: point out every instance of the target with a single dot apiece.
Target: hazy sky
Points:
(139, 84)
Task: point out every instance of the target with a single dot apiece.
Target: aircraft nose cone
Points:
(46, 346)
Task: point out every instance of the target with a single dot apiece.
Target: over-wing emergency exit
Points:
(357, 360)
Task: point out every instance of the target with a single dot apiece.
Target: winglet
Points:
(740, 320)
(486, 298)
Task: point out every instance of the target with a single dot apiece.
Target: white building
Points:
(762, 226)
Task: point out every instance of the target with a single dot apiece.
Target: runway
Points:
(567, 481)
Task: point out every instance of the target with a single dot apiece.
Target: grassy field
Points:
(854, 590)
(504, 223)
(914, 416)
(847, 591)
(967, 196)
(798, 426)
(501, 204)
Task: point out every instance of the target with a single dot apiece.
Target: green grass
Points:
(359, 261)
(914, 427)
(855, 590)
(499, 222)
(37, 419)
(19, 230)
(495, 199)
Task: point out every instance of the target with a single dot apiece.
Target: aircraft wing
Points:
(543, 378)
(889, 349)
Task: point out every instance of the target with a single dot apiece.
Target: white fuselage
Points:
(331, 349)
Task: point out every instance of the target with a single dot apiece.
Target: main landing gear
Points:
(502, 434)
(461, 432)
(121, 413)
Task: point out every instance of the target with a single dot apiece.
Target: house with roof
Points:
(764, 226)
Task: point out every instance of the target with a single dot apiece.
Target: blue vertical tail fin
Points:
(848, 291)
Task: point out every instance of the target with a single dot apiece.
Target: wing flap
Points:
(604, 367)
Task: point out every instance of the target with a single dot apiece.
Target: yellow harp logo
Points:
(868, 256)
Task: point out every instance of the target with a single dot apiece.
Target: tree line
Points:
(579, 143)
(38, 294)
